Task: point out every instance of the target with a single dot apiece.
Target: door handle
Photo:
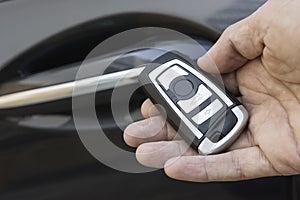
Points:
(65, 90)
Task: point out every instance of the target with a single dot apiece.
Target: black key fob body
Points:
(203, 112)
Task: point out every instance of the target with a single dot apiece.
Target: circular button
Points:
(183, 87)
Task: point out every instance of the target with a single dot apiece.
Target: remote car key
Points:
(206, 115)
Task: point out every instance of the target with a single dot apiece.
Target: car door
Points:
(43, 44)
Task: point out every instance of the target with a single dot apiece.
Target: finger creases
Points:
(234, 165)
(149, 130)
(155, 154)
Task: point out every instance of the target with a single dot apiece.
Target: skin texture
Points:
(259, 60)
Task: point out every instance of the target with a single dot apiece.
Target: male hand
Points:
(259, 58)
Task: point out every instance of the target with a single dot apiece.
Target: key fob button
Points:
(221, 127)
(208, 112)
(190, 104)
(169, 75)
(230, 121)
(183, 87)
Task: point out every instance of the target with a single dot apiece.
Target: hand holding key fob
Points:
(206, 115)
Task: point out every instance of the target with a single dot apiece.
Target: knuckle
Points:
(235, 159)
(205, 175)
(293, 161)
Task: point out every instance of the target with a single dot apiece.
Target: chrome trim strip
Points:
(65, 90)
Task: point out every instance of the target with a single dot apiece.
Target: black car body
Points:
(41, 155)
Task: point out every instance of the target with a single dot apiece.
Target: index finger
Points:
(239, 43)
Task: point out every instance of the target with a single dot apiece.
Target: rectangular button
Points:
(208, 112)
(190, 104)
(169, 75)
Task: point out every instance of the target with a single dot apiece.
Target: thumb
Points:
(239, 43)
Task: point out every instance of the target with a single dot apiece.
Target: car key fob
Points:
(203, 112)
